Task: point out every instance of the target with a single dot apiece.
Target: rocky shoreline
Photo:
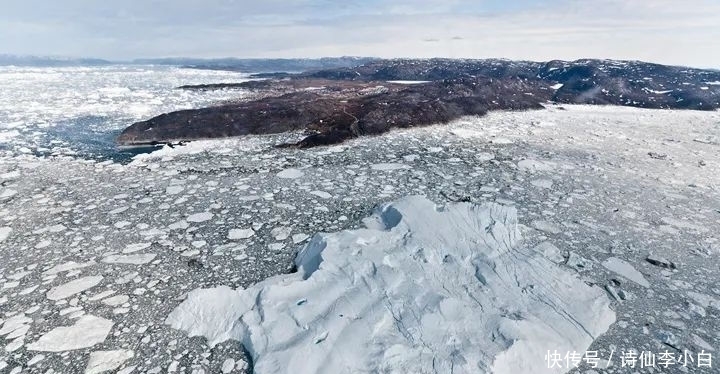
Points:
(333, 105)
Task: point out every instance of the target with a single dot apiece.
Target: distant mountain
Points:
(40, 61)
(262, 65)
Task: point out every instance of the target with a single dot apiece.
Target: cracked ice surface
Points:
(422, 287)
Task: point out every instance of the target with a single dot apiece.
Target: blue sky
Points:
(668, 31)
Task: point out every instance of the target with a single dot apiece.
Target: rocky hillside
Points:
(336, 104)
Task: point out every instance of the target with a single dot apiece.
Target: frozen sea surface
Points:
(625, 202)
(80, 110)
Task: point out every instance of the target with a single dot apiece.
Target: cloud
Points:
(655, 30)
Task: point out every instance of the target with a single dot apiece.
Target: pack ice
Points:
(421, 289)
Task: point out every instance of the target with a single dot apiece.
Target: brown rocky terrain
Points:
(333, 105)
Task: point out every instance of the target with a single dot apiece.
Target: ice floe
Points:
(625, 269)
(238, 234)
(103, 361)
(389, 166)
(535, 165)
(200, 217)
(4, 233)
(133, 259)
(450, 288)
(73, 287)
(130, 248)
(68, 266)
(86, 332)
(290, 174)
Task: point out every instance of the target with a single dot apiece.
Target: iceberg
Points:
(422, 288)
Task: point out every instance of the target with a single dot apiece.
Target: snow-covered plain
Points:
(617, 207)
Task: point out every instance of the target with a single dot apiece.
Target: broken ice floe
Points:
(421, 287)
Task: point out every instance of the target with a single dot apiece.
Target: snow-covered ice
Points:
(422, 286)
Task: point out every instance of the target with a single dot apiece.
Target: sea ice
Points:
(4, 233)
(86, 332)
(547, 227)
(73, 287)
(542, 183)
(237, 234)
(174, 190)
(135, 259)
(116, 300)
(130, 248)
(290, 174)
(321, 194)
(102, 361)
(281, 233)
(421, 287)
(535, 165)
(228, 365)
(389, 166)
(200, 217)
(623, 268)
(467, 133)
(14, 323)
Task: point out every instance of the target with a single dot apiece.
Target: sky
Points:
(666, 31)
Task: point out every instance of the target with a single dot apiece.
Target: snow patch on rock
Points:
(421, 287)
